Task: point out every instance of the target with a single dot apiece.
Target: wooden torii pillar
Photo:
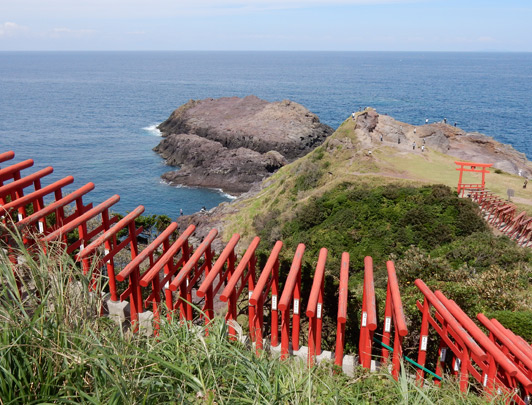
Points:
(472, 167)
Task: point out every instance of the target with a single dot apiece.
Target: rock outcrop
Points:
(233, 143)
(444, 138)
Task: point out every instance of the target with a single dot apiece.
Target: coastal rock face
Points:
(444, 138)
(232, 143)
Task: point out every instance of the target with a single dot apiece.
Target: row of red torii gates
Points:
(500, 213)
(179, 277)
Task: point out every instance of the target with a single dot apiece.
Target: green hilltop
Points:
(393, 202)
(344, 158)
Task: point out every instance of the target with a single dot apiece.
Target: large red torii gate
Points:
(472, 167)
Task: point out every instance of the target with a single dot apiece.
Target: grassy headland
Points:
(343, 158)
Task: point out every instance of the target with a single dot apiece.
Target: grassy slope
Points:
(54, 348)
(341, 159)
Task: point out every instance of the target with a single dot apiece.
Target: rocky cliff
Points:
(444, 138)
(232, 143)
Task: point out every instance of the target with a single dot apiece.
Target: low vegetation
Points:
(377, 222)
(427, 231)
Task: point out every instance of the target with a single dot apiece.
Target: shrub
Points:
(519, 322)
(380, 221)
(309, 174)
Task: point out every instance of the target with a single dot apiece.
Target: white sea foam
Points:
(167, 183)
(153, 130)
(231, 197)
(218, 190)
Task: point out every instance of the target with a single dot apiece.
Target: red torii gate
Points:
(472, 167)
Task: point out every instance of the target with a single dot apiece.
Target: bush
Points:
(380, 221)
(519, 322)
(308, 178)
(481, 250)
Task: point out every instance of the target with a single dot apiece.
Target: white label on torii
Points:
(364, 319)
(106, 251)
(318, 311)
(41, 227)
(485, 380)
(457, 363)
(19, 216)
(296, 306)
(81, 247)
(388, 324)
(424, 342)
(249, 295)
(274, 302)
(443, 354)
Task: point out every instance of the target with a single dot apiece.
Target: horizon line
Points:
(256, 50)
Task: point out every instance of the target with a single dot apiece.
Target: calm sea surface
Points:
(92, 114)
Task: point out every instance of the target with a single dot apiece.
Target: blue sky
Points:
(328, 25)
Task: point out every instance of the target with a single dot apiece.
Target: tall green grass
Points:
(55, 348)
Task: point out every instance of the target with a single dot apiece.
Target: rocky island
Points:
(233, 143)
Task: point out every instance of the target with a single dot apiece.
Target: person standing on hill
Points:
(414, 146)
(525, 183)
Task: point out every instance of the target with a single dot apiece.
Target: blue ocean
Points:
(93, 114)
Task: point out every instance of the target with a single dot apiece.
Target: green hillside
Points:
(396, 205)
(342, 159)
